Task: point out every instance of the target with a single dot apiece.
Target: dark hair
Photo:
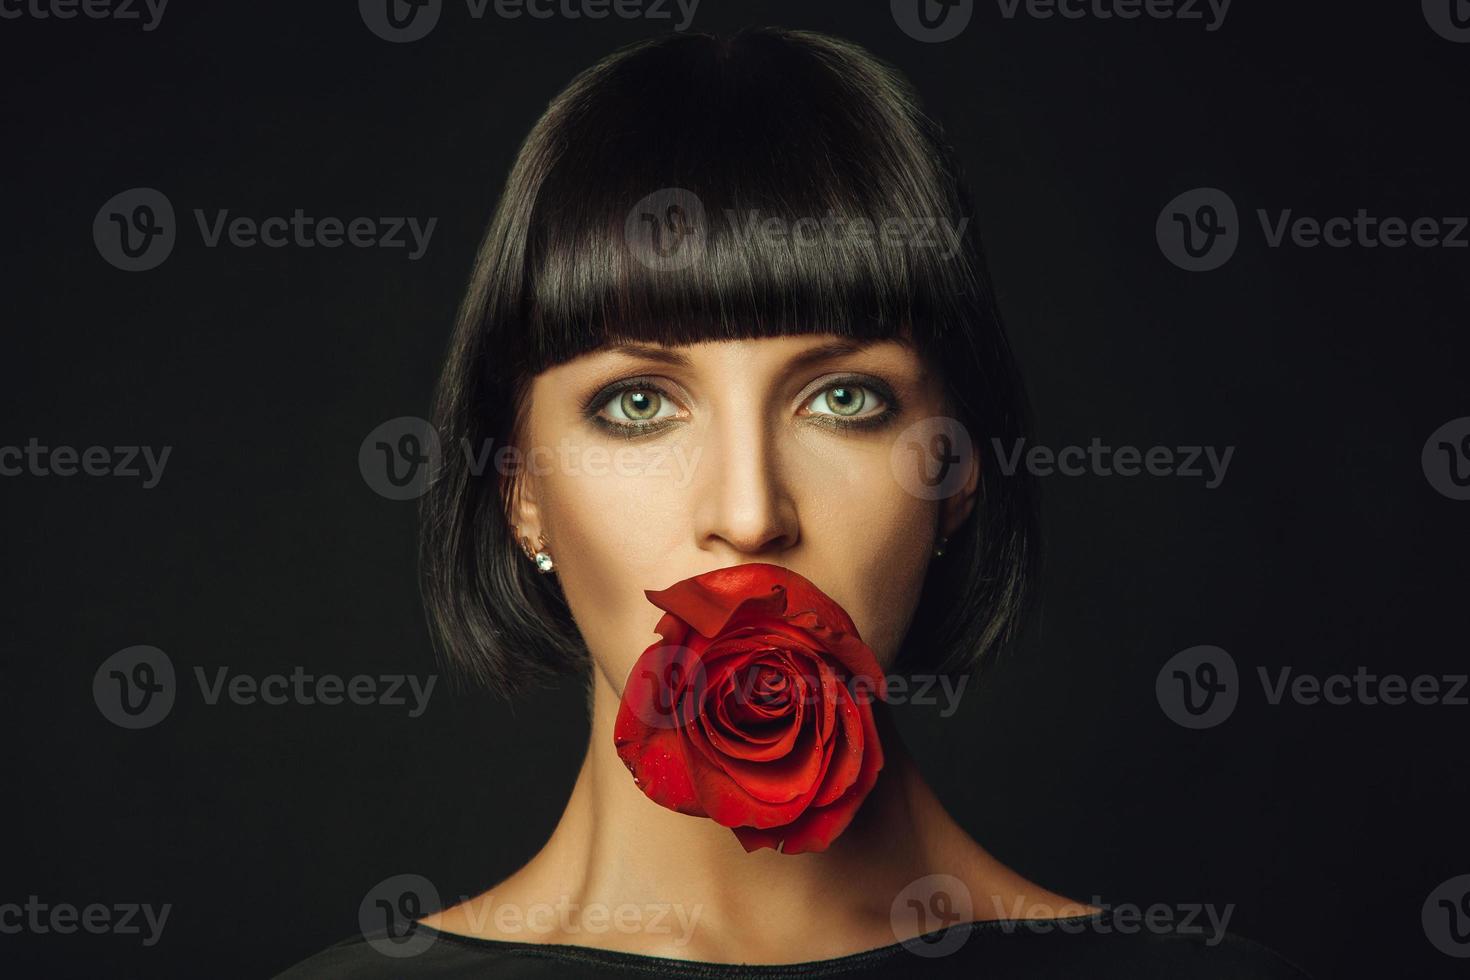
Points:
(791, 124)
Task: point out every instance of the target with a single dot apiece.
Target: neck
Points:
(615, 847)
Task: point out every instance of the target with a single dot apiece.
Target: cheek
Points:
(617, 534)
(867, 542)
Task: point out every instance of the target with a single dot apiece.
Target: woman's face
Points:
(647, 464)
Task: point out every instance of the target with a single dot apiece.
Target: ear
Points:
(955, 509)
(522, 509)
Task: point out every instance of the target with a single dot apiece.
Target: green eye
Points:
(846, 400)
(640, 405)
(637, 405)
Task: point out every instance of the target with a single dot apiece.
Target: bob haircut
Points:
(680, 130)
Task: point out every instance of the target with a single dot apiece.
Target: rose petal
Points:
(723, 792)
(847, 753)
(647, 733)
(818, 827)
(707, 601)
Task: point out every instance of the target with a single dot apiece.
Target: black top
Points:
(1101, 946)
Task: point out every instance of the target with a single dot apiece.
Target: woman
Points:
(733, 317)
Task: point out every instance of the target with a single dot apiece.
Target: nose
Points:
(743, 499)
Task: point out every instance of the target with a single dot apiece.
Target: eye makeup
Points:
(593, 407)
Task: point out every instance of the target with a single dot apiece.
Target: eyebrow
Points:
(811, 355)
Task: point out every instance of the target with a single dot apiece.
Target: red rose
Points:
(756, 709)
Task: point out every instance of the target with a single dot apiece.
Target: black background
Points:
(263, 549)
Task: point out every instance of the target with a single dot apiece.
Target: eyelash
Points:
(632, 430)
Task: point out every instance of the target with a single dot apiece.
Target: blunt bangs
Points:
(723, 189)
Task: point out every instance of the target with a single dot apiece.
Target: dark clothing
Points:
(1090, 947)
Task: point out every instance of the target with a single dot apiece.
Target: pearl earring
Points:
(939, 550)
